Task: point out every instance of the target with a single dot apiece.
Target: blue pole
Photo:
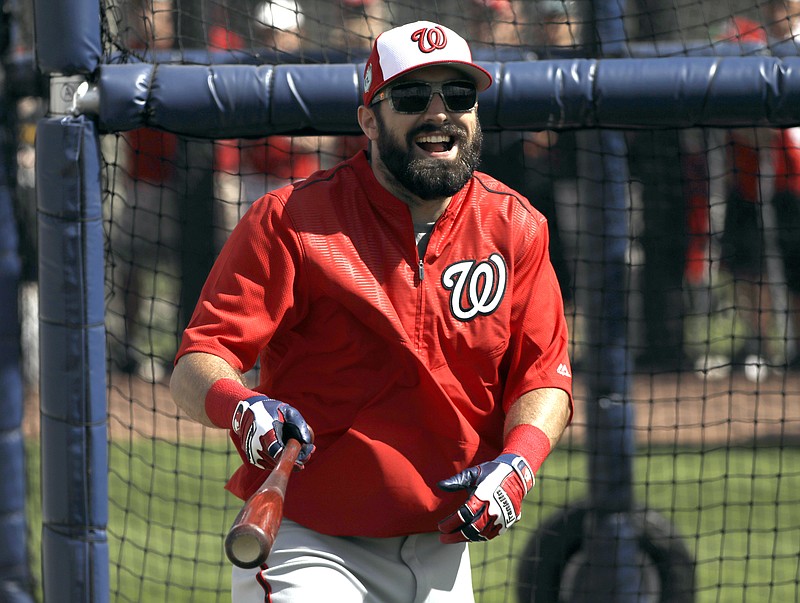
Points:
(15, 577)
(75, 561)
(612, 571)
(15, 574)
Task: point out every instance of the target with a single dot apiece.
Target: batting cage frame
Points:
(614, 87)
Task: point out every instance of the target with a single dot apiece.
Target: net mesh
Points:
(712, 249)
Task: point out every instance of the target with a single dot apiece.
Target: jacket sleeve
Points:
(251, 290)
(537, 356)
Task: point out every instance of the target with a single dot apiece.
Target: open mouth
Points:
(435, 143)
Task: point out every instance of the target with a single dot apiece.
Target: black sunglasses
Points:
(415, 97)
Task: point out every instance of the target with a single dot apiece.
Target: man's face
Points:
(434, 153)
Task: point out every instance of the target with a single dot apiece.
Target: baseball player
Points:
(411, 336)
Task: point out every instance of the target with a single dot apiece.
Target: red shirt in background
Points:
(273, 155)
(746, 165)
(152, 155)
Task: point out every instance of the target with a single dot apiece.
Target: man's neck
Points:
(423, 211)
(426, 212)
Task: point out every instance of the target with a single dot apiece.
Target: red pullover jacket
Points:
(403, 366)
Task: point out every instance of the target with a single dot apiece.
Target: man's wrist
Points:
(529, 442)
(222, 398)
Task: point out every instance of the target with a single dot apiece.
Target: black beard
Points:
(430, 179)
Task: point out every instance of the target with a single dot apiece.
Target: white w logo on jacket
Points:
(477, 288)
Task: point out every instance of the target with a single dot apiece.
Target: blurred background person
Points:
(353, 27)
(759, 227)
(144, 229)
(783, 26)
(246, 169)
(782, 21)
(657, 160)
(361, 22)
(533, 162)
(556, 26)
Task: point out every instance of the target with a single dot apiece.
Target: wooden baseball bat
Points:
(252, 534)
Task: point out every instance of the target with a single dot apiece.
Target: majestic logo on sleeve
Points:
(429, 40)
(476, 288)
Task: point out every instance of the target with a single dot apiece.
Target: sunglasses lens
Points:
(411, 98)
(414, 97)
(459, 96)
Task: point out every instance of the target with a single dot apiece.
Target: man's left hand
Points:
(496, 491)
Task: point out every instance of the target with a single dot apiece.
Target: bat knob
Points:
(247, 546)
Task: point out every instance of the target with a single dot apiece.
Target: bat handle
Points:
(250, 539)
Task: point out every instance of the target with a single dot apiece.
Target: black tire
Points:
(548, 565)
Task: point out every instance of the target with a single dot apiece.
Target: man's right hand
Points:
(263, 426)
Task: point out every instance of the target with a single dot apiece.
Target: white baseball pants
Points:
(307, 567)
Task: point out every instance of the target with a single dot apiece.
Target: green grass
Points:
(738, 510)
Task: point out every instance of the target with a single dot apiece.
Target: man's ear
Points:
(367, 121)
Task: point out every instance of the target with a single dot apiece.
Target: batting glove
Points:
(263, 425)
(496, 490)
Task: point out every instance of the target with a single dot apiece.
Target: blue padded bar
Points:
(74, 484)
(317, 97)
(64, 393)
(220, 99)
(551, 93)
(67, 567)
(228, 101)
(702, 91)
(62, 186)
(67, 36)
(126, 90)
(63, 298)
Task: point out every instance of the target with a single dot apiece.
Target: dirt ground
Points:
(669, 409)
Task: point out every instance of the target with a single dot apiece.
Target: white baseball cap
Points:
(413, 46)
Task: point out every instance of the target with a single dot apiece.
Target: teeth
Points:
(434, 138)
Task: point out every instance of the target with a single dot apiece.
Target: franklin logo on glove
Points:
(495, 502)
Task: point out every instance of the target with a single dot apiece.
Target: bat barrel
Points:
(250, 539)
